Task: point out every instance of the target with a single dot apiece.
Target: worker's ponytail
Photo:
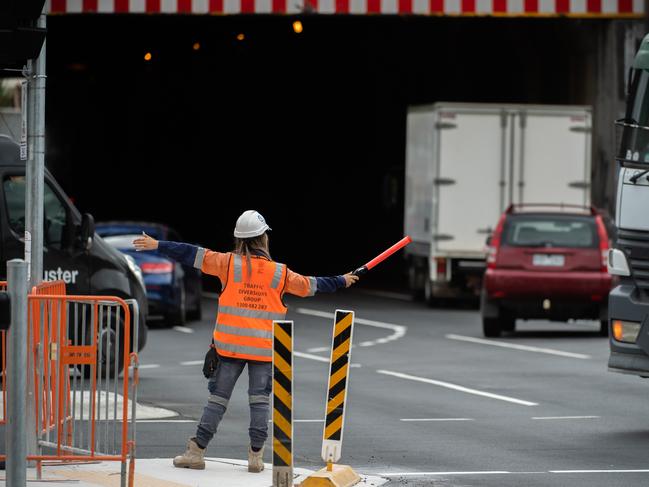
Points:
(246, 246)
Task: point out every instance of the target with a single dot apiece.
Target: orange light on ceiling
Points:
(298, 27)
(240, 36)
(196, 46)
(148, 56)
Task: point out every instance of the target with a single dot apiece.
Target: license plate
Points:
(544, 260)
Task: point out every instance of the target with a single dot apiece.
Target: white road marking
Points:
(459, 388)
(308, 420)
(318, 349)
(525, 348)
(318, 358)
(148, 366)
(506, 472)
(166, 421)
(422, 474)
(398, 331)
(640, 470)
(565, 417)
(183, 329)
(414, 420)
(309, 356)
(193, 362)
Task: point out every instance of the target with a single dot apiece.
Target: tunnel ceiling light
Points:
(298, 27)
(196, 46)
(148, 56)
(240, 36)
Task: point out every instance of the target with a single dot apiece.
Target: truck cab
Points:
(72, 251)
(629, 259)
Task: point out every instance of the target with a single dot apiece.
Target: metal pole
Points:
(35, 175)
(17, 377)
(36, 165)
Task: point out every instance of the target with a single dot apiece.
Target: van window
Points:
(55, 216)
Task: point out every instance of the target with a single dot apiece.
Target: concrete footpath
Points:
(159, 472)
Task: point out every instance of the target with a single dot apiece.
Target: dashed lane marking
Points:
(507, 472)
(183, 329)
(193, 362)
(459, 388)
(148, 366)
(318, 349)
(398, 331)
(565, 417)
(513, 346)
(317, 358)
(415, 420)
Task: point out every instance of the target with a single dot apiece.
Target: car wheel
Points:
(491, 327)
(109, 349)
(603, 328)
(508, 323)
(179, 315)
(196, 314)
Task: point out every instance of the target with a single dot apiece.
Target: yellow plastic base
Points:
(338, 476)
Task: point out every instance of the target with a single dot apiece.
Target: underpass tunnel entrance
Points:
(189, 120)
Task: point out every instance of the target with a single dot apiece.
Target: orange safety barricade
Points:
(80, 357)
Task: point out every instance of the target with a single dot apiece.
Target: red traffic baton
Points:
(382, 256)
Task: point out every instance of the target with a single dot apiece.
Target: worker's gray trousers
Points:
(220, 386)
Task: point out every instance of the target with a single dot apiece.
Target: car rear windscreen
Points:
(550, 231)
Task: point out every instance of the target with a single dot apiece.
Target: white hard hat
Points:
(250, 224)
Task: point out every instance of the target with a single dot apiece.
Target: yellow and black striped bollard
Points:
(282, 404)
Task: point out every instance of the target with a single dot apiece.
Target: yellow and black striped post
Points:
(337, 389)
(282, 404)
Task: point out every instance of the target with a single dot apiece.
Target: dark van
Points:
(72, 251)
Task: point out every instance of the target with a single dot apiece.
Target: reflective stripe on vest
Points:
(250, 302)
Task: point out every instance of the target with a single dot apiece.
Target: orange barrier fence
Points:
(80, 357)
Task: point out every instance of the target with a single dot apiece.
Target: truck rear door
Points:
(551, 156)
(472, 155)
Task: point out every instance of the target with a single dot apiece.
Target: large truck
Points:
(629, 259)
(466, 163)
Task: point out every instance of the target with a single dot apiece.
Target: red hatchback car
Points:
(546, 262)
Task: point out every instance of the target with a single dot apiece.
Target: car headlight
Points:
(135, 269)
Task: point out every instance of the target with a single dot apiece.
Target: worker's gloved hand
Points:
(350, 279)
(145, 243)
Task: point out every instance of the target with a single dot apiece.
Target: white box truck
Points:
(466, 163)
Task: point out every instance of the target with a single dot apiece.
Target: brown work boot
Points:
(255, 460)
(192, 458)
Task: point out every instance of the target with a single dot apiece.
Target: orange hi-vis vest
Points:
(248, 305)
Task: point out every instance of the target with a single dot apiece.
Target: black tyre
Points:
(196, 314)
(109, 348)
(178, 316)
(508, 323)
(491, 327)
(603, 328)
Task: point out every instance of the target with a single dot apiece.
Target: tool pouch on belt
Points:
(211, 359)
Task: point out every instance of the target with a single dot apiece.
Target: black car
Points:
(173, 290)
(72, 251)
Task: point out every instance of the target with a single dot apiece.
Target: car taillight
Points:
(157, 267)
(603, 241)
(494, 246)
(440, 268)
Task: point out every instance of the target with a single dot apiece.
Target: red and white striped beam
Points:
(505, 8)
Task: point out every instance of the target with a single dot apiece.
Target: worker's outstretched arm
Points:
(212, 263)
(307, 286)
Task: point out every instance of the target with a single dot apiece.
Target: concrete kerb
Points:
(159, 472)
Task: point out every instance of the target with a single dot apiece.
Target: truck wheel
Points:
(491, 327)
(603, 328)
(196, 314)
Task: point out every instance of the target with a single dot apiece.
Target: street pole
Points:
(17, 377)
(35, 171)
(34, 181)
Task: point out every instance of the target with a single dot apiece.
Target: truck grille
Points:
(635, 245)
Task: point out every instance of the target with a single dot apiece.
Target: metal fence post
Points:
(17, 377)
